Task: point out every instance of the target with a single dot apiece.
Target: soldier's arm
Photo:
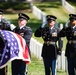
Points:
(2, 41)
(60, 44)
(62, 33)
(8, 27)
(27, 35)
(38, 32)
(6, 24)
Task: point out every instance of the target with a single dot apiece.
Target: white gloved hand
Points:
(44, 23)
(66, 24)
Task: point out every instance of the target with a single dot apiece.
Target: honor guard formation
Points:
(52, 46)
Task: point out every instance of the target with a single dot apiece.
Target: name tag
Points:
(22, 34)
(54, 34)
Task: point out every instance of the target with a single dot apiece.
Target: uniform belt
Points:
(71, 41)
(49, 42)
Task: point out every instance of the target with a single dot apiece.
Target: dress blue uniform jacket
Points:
(70, 35)
(2, 44)
(25, 32)
(5, 25)
(49, 50)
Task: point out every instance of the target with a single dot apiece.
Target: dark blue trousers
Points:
(3, 71)
(49, 64)
(71, 66)
(18, 67)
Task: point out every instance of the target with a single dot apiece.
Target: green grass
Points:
(36, 67)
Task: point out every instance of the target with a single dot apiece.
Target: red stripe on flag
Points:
(25, 49)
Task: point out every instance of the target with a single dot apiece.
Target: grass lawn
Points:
(36, 67)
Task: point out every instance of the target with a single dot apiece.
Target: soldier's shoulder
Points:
(28, 28)
(4, 20)
(68, 28)
(46, 28)
(57, 28)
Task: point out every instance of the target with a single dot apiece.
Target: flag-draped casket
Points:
(15, 48)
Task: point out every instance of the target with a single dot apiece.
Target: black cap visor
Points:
(22, 18)
(72, 19)
(50, 19)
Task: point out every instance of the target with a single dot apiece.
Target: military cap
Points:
(72, 17)
(1, 11)
(51, 17)
(23, 16)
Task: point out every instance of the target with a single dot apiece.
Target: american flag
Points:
(15, 48)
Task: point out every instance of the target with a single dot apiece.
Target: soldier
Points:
(19, 66)
(70, 34)
(50, 49)
(4, 25)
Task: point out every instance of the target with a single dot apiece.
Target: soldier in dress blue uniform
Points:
(70, 34)
(4, 25)
(19, 66)
(50, 50)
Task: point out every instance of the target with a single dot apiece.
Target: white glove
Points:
(44, 23)
(66, 24)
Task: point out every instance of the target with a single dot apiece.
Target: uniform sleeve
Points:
(60, 44)
(38, 32)
(59, 48)
(6, 24)
(2, 41)
(27, 35)
(62, 33)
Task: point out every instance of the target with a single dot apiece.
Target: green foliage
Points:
(36, 67)
(15, 6)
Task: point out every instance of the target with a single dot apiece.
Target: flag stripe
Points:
(15, 48)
